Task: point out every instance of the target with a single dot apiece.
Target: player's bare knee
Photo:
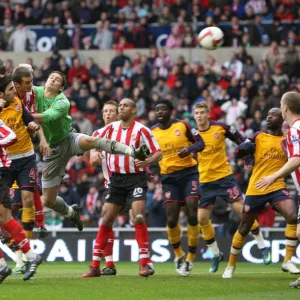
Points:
(172, 222)
(244, 228)
(192, 220)
(47, 202)
(203, 221)
(138, 219)
(291, 217)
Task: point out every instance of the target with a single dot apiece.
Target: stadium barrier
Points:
(69, 245)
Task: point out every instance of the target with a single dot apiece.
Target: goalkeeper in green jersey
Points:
(53, 113)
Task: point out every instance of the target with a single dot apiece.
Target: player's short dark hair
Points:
(64, 80)
(165, 102)
(112, 102)
(4, 82)
(292, 101)
(19, 73)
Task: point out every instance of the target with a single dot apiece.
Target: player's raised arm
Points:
(246, 148)
(195, 138)
(7, 136)
(233, 134)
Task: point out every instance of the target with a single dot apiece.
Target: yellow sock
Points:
(238, 242)
(208, 232)
(174, 236)
(193, 241)
(255, 226)
(291, 241)
(28, 217)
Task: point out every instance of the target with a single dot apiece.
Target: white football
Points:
(211, 38)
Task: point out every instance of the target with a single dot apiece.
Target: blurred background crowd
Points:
(239, 91)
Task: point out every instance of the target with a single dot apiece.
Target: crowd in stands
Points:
(239, 91)
(124, 24)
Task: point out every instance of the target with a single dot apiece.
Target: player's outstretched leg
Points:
(87, 143)
(5, 270)
(110, 268)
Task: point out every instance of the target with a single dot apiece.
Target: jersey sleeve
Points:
(27, 117)
(195, 138)
(103, 132)
(59, 109)
(293, 142)
(233, 134)
(150, 140)
(284, 146)
(246, 148)
(7, 136)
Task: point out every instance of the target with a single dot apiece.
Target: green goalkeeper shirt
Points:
(56, 120)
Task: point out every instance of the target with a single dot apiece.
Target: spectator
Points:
(272, 55)
(234, 109)
(78, 71)
(22, 39)
(63, 41)
(79, 117)
(104, 37)
(161, 88)
(84, 13)
(234, 65)
(6, 34)
(119, 60)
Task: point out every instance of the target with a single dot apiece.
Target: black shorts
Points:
(225, 188)
(256, 203)
(181, 185)
(124, 189)
(5, 179)
(16, 197)
(23, 171)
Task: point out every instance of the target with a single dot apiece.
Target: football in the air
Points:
(211, 38)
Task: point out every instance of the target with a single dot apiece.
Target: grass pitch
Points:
(63, 281)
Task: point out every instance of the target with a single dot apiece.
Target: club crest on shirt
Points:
(177, 132)
(168, 195)
(17, 107)
(246, 208)
(216, 136)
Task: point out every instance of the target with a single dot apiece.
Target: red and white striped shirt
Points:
(29, 101)
(135, 136)
(293, 148)
(7, 138)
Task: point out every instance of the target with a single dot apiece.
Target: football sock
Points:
(108, 251)
(174, 236)
(28, 221)
(291, 241)
(193, 241)
(208, 234)
(100, 244)
(19, 260)
(17, 232)
(238, 242)
(113, 147)
(258, 235)
(141, 236)
(39, 212)
(62, 208)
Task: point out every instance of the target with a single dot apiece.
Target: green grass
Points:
(63, 281)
